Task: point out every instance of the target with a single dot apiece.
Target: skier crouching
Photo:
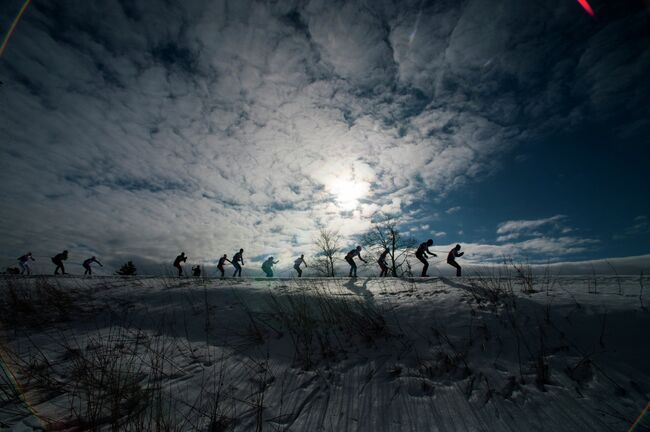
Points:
(451, 258)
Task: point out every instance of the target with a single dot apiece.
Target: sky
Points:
(136, 130)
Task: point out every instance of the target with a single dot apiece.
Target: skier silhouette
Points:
(421, 254)
(235, 262)
(267, 266)
(24, 262)
(196, 271)
(296, 264)
(382, 263)
(86, 265)
(58, 261)
(222, 261)
(349, 258)
(177, 263)
(451, 258)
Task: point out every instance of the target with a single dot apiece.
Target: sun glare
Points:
(348, 193)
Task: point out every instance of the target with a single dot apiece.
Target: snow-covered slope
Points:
(509, 353)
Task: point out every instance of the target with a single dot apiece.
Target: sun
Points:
(348, 193)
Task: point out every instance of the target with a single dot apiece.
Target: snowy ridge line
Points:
(577, 276)
(615, 266)
(217, 278)
(38, 259)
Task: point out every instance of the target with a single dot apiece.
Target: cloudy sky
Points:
(140, 129)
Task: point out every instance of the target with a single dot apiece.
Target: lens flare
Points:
(13, 27)
(585, 5)
(638, 419)
(10, 379)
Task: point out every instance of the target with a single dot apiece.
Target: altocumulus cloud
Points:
(545, 239)
(139, 129)
(510, 230)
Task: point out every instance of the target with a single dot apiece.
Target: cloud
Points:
(631, 266)
(539, 249)
(534, 238)
(453, 210)
(640, 227)
(141, 129)
(513, 229)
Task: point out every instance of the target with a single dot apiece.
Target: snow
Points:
(437, 354)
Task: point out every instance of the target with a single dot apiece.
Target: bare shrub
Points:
(385, 234)
(321, 322)
(34, 303)
(328, 243)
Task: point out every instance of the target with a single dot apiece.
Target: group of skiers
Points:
(237, 262)
(25, 263)
(422, 253)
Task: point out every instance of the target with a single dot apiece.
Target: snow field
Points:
(504, 351)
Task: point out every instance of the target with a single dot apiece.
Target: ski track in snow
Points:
(449, 356)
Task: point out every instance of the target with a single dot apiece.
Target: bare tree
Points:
(328, 243)
(385, 234)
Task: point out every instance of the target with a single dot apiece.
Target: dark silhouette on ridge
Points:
(222, 261)
(196, 271)
(421, 254)
(267, 266)
(382, 263)
(177, 263)
(451, 258)
(296, 264)
(86, 265)
(235, 262)
(349, 258)
(24, 264)
(58, 261)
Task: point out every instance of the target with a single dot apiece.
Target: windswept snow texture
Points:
(499, 353)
